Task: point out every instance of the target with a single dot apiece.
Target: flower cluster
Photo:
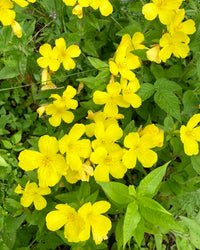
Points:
(77, 225)
(104, 6)
(175, 41)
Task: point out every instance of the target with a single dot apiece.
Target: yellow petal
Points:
(194, 120)
(129, 159)
(48, 145)
(29, 160)
(105, 8)
(55, 220)
(147, 158)
(39, 202)
(150, 11)
(73, 51)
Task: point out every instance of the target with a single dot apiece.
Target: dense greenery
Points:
(150, 195)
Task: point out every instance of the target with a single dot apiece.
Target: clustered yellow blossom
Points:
(104, 6)
(124, 61)
(175, 41)
(78, 224)
(53, 57)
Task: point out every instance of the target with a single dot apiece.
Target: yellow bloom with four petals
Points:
(33, 194)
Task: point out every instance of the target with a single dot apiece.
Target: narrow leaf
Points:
(149, 186)
(131, 220)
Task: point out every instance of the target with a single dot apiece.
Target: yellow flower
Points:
(153, 53)
(139, 148)
(68, 217)
(100, 224)
(78, 10)
(51, 166)
(59, 110)
(46, 80)
(156, 134)
(176, 43)
(124, 61)
(83, 174)
(50, 58)
(128, 92)
(66, 99)
(7, 16)
(109, 161)
(41, 110)
(187, 27)
(163, 8)
(74, 148)
(112, 99)
(24, 3)
(190, 135)
(65, 55)
(16, 29)
(33, 193)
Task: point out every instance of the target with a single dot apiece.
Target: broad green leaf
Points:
(195, 160)
(169, 122)
(146, 91)
(174, 71)
(190, 102)
(98, 64)
(155, 214)
(165, 84)
(194, 229)
(131, 219)
(117, 192)
(169, 102)
(16, 138)
(157, 70)
(150, 184)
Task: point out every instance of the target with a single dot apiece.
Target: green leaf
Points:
(155, 214)
(131, 219)
(165, 84)
(183, 244)
(130, 29)
(98, 64)
(190, 102)
(146, 90)
(195, 160)
(169, 102)
(117, 192)
(150, 184)
(157, 70)
(141, 53)
(194, 229)
(119, 232)
(174, 71)
(16, 138)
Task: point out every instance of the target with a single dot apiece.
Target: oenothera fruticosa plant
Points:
(120, 138)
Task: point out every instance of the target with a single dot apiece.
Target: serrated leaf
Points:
(117, 192)
(194, 229)
(195, 160)
(190, 102)
(131, 219)
(150, 184)
(146, 91)
(157, 70)
(169, 102)
(141, 53)
(165, 84)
